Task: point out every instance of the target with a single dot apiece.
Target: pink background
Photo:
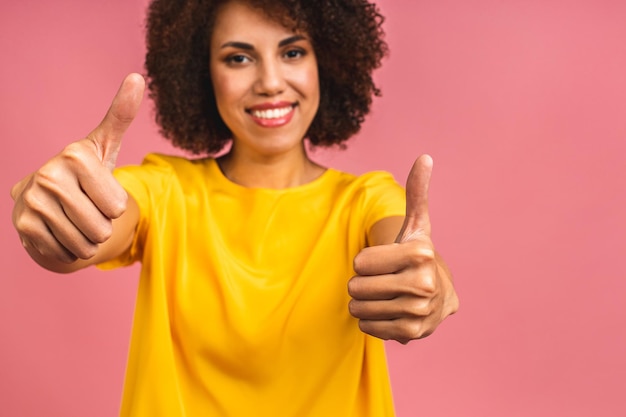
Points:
(521, 104)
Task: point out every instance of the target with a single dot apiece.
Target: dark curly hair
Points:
(347, 38)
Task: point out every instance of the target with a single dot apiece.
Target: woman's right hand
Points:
(65, 210)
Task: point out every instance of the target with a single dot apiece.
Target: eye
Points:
(237, 59)
(294, 53)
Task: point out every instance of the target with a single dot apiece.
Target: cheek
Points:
(309, 80)
(226, 85)
(221, 88)
(227, 95)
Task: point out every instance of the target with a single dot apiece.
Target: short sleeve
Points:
(146, 183)
(382, 197)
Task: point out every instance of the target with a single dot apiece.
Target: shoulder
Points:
(375, 178)
(370, 184)
(362, 181)
(174, 163)
(160, 175)
(156, 168)
(376, 193)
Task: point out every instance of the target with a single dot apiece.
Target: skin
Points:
(72, 213)
(267, 65)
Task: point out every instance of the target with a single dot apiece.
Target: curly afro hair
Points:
(347, 38)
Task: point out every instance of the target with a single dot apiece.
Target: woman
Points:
(242, 306)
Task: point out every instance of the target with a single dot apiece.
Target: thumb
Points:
(417, 220)
(108, 135)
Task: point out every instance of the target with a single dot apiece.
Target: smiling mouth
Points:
(268, 114)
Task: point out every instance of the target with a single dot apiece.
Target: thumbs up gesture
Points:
(64, 210)
(403, 290)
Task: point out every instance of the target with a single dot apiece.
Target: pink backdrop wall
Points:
(521, 104)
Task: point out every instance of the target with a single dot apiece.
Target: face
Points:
(265, 80)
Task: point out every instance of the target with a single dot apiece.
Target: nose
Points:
(270, 79)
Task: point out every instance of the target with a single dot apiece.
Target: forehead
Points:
(239, 19)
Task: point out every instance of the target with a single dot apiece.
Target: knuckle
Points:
(25, 243)
(416, 288)
(78, 249)
(363, 326)
(363, 261)
(357, 263)
(33, 201)
(14, 191)
(353, 287)
(453, 305)
(17, 189)
(414, 330)
(411, 330)
(428, 284)
(51, 251)
(74, 153)
(21, 227)
(423, 285)
(417, 308)
(47, 174)
(103, 233)
(48, 179)
(118, 205)
(421, 252)
(86, 251)
(366, 327)
(63, 257)
(426, 333)
(26, 229)
(352, 308)
(21, 223)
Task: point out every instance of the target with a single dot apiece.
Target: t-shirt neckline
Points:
(214, 168)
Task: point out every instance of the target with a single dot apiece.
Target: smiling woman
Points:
(267, 93)
(178, 41)
(268, 281)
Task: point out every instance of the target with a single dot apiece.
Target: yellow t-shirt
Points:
(242, 306)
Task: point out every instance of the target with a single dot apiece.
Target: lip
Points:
(271, 106)
(276, 121)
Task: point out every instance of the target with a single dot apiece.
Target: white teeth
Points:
(271, 113)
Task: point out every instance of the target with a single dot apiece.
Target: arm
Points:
(403, 289)
(72, 212)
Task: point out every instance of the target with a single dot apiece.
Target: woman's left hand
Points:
(404, 290)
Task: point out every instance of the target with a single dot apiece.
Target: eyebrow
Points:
(249, 47)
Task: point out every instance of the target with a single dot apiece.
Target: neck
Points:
(272, 171)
